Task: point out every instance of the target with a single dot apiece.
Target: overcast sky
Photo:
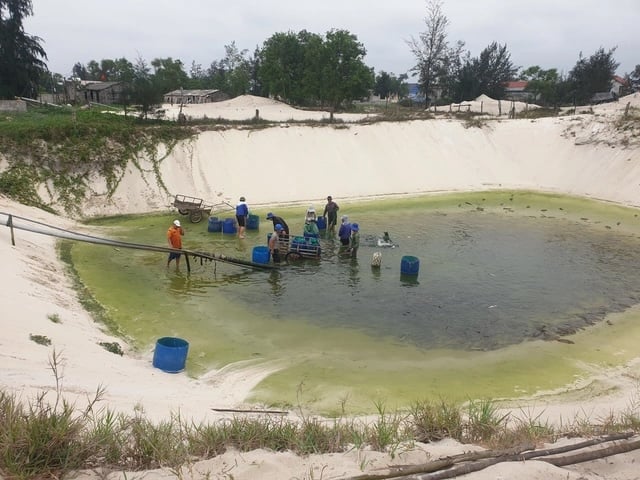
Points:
(548, 33)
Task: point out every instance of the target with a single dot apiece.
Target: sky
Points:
(547, 33)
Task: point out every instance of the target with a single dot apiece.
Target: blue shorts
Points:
(174, 256)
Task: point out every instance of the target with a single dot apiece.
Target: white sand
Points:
(580, 155)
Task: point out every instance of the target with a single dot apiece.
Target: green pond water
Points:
(502, 277)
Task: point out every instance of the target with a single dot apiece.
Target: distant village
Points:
(88, 92)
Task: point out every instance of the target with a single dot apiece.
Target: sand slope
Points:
(579, 155)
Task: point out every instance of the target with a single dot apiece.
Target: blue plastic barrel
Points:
(321, 222)
(170, 354)
(253, 222)
(260, 254)
(215, 225)
(410, 265)
(229, 225)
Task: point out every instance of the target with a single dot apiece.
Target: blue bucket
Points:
(215, 225)
(170, 354)
(253, 222)
(321, 222)
(409, 265)
(260, 254)
(229, 225)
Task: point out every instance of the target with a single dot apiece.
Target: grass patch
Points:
(60, 149)
(51, 438)
(113, 347)
(40, 339)
(54, 317)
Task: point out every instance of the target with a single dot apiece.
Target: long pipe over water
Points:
(34, 226)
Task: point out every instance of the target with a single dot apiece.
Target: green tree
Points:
(79, 71)
(431, 51)
(282, 66)
(592, 75)
(95, 71)
(237, 70)
(307, 69)
(216, 76)
(169, 74)
(21, 55)
(387, 84)
(485, 74)
(312, 87)
(197, 76)
(118, 70)
(635, 75)
(633, 79)
(345, 77)
(123, 70)
(145, 89)
(255, 83)
(382, 86)
(544, 85)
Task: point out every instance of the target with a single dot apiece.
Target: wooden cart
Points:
(194, 207)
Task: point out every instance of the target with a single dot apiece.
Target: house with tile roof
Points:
(516, 90)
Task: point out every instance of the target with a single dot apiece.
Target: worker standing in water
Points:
(242, 213)
(331, 212)
(174, 237)
(274, 243)
(354, 241)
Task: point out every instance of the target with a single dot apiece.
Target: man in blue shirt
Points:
(345, 231)
(242, 212)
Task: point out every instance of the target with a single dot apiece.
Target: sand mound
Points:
(244, 108)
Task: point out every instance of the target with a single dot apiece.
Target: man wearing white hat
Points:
(174, 237)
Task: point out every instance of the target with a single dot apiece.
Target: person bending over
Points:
(279, 220)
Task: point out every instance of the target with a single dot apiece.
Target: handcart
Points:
(303, 247)
(194, 207)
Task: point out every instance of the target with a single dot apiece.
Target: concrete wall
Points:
(13, 106)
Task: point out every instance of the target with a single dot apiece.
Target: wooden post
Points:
(626, 110)
(10, 224)
(257, 117)
(499, 108)
(481, 106)
(186, 258)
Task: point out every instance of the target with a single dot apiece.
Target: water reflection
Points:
(275, 278)
(409, 280)
(184, 284)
